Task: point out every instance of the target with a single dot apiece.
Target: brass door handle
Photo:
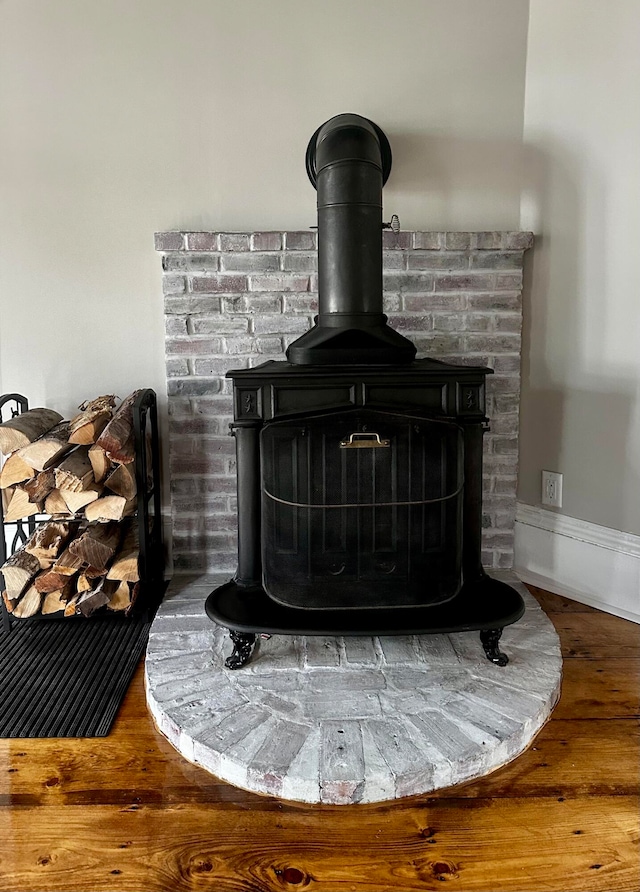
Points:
(364, 441)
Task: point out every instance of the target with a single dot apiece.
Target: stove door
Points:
(361, 509)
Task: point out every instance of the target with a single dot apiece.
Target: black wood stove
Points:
(359, 467)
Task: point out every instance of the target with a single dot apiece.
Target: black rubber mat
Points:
(66, 679)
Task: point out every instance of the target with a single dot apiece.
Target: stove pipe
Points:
(348, 161)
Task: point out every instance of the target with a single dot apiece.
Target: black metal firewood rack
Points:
(147, 516)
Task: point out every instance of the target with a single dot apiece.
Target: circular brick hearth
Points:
(347, 720)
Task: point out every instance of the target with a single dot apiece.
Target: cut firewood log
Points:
(109, 508)
(55, 504)
(51, 581)
(87, 578)
(15, 470)
(8, 603)
(39, 487)
(70, 608)
(56, 601)
(48, 541)
(99, 462)
(6, 496)
(134, 588)
(98, 544)
(94, 416)
(122, 481)
(18, 571)
(76, 501)
(125, 563)
(119, 594)
(92, 572)
(75, 473)
(19, 506)
(47, 449)
(117, 438)
(68, 564)
(24, 429)
(29, 604)
(92, 600)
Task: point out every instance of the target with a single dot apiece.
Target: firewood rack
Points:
(147, 516)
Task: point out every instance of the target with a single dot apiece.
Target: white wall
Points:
(581, 393)
(119, 118)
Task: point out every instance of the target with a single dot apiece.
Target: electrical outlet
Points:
(552, 489)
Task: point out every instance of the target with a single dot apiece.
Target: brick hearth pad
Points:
(347, 720)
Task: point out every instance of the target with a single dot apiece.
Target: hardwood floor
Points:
(128, 813)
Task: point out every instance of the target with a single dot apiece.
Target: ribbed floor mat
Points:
(62, 679)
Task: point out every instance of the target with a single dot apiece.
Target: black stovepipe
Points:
(348, 161)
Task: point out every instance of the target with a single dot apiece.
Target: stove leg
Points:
(243, 644)
(490, 639)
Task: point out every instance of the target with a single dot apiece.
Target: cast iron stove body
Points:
(359, 467)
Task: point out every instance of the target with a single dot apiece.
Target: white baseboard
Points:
(583, 561)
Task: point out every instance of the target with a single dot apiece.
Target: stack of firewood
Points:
(81, 473)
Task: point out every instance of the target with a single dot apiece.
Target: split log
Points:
(18, 571)
(134, 588)
(76, 501)
(20, 507)
(15, 470)
(6, 496)
(92, 600)
(117, 438)
(109, 508)
(56, 601)
(119, 595)
(75, 473)
(84, 584)
(97, 545)
(71, 605)
(122, 481)
(55, 504)
(68, 564)
(8, 603)
(87, 578)
(47, 449)
(51, 581)
(48, 541)
(94, 416)
(24, 429)
(125, 564)
(99, 462)
(40, 486)
(29, 604)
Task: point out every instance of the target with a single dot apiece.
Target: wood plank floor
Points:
(128, 813)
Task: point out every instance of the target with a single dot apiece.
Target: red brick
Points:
(266, 241)
(220, 284)
(396, 241)
(438, 260)
(477, 282)
(202, 241)
(281, 282)
(300, 241)
(168, 241)
(488, 240)
(234, 241)
(193, 346)
(173, 284)
(431, 241)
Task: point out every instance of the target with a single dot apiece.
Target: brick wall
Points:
(235, 299)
